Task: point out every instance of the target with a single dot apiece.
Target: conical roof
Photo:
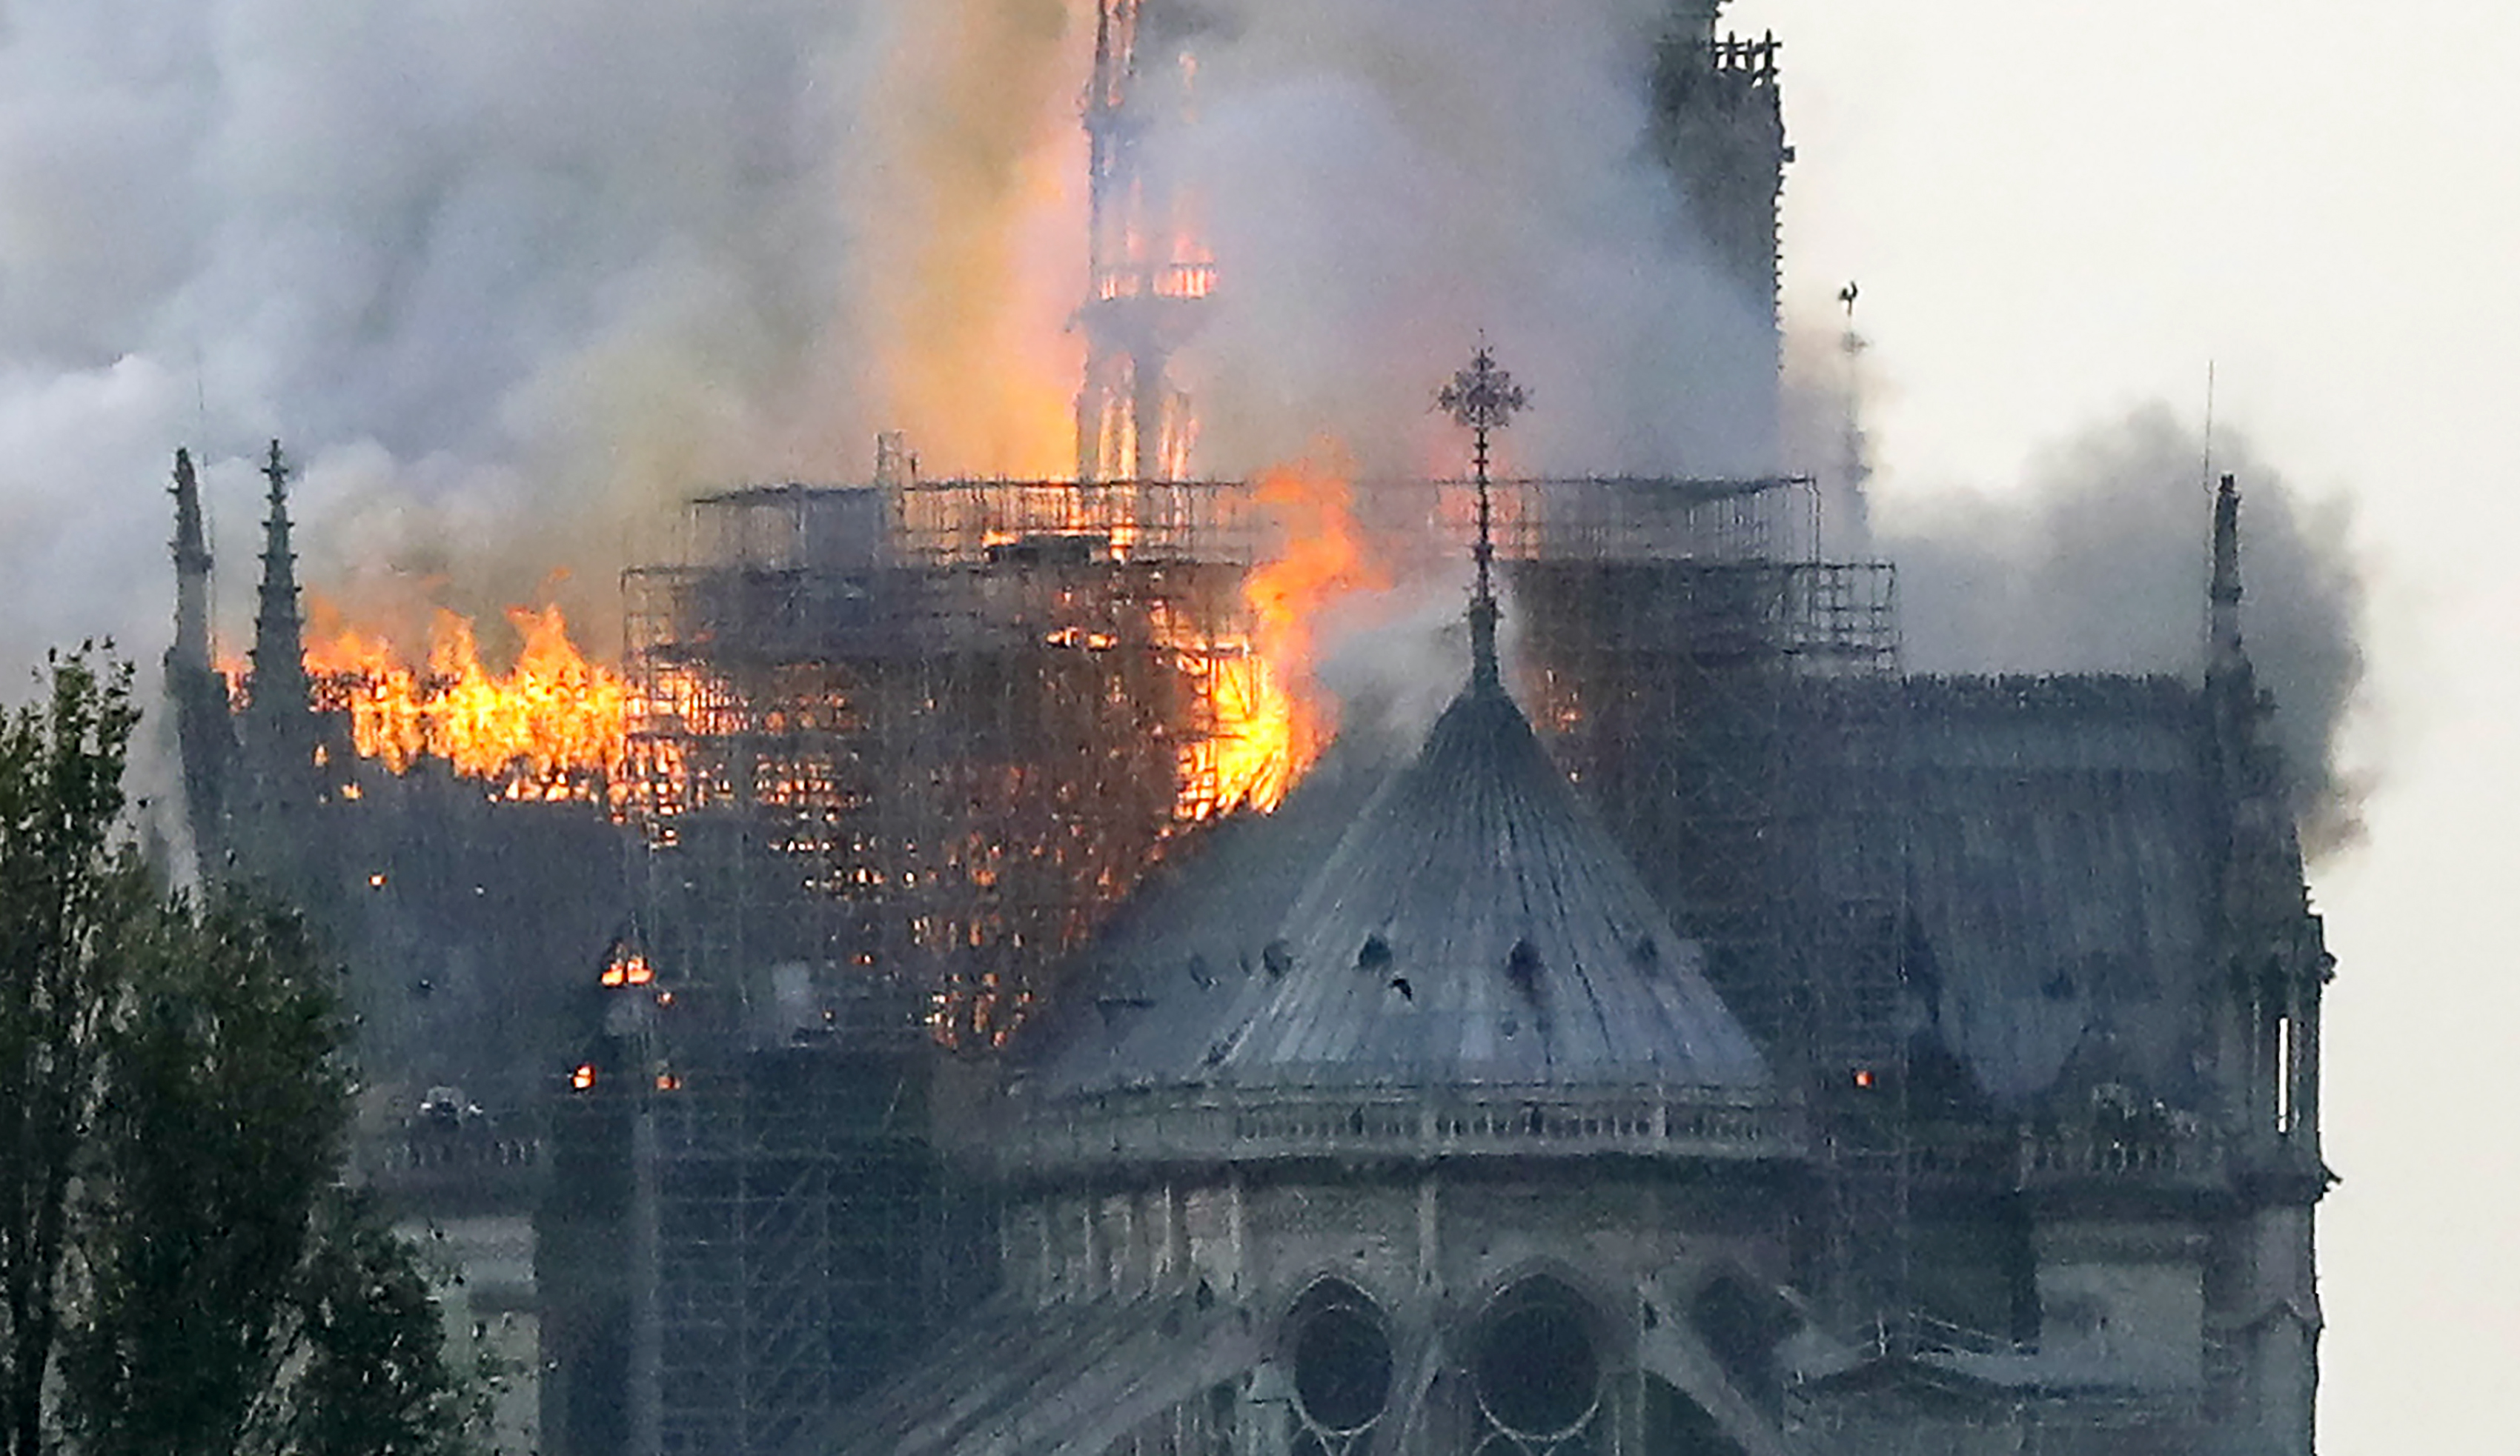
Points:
(1477, 924)
(1473, 925)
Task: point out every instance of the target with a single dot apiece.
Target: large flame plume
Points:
(552, 725)
(1273, 717)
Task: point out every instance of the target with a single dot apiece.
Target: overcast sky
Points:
(2057, 210)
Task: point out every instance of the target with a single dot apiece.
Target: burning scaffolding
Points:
(930, 732)
(924, 732)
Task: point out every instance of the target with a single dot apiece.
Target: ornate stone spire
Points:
(1482, 398)
(279, 632)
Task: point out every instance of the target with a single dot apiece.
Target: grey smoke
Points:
(1383, 178)
(1392, 659)
(495, 271)
(509, 280)
(2097, 563)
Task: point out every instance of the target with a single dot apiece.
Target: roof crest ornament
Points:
(1482, 398)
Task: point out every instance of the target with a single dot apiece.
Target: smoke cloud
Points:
(512, 280)
(1384, 178)
(2098, 563)
(509, 281)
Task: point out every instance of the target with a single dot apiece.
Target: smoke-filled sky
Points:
(510, 277)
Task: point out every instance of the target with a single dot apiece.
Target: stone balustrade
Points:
(1234, 1124)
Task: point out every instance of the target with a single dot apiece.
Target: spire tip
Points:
(1483, 398)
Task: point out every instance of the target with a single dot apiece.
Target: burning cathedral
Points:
(953, 991)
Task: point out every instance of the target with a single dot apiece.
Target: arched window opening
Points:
(1338, 1347)
(1535, 1366)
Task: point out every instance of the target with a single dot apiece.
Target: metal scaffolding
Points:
(924, 730)
(895, 748)
(795, 1203)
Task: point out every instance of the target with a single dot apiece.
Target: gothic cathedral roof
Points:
(1474, 925)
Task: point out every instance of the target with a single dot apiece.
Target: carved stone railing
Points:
(2180, 1156)
(2132, 1154)
(1246, 1124)
(427, 1172)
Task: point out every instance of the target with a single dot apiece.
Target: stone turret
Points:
(204, 734)
(191, 553)
(276, 828)
(2275, 966)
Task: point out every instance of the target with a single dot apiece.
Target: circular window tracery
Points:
(1535, 1366)
(1339, 1350)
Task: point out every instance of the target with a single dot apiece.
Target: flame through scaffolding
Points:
(1273, 718)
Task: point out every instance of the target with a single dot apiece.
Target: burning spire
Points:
(1151, 271)
(1482, 398)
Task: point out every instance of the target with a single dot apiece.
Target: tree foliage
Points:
(68, 884)
(182, 1272)
(375, 1382)
(220, 1126)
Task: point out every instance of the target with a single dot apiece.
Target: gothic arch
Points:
(1541, 1360)
(1340, 1353)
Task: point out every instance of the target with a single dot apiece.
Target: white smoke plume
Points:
(2098, 563)
(1381, 178)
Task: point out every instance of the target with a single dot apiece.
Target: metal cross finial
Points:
(1483, 398)
(275, 469)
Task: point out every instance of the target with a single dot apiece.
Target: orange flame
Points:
(553, 726)
(1272, 719)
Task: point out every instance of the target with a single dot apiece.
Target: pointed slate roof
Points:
(1473, 925)
(1476, 924)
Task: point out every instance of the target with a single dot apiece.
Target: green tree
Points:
(182, 1271)
(68, 883)
(220, 1127)
(375, 1382)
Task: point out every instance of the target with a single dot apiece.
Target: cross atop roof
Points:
(1482, 398)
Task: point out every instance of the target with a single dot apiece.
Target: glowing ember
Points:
(552, 725)
(627, 967)
(1272, 719)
